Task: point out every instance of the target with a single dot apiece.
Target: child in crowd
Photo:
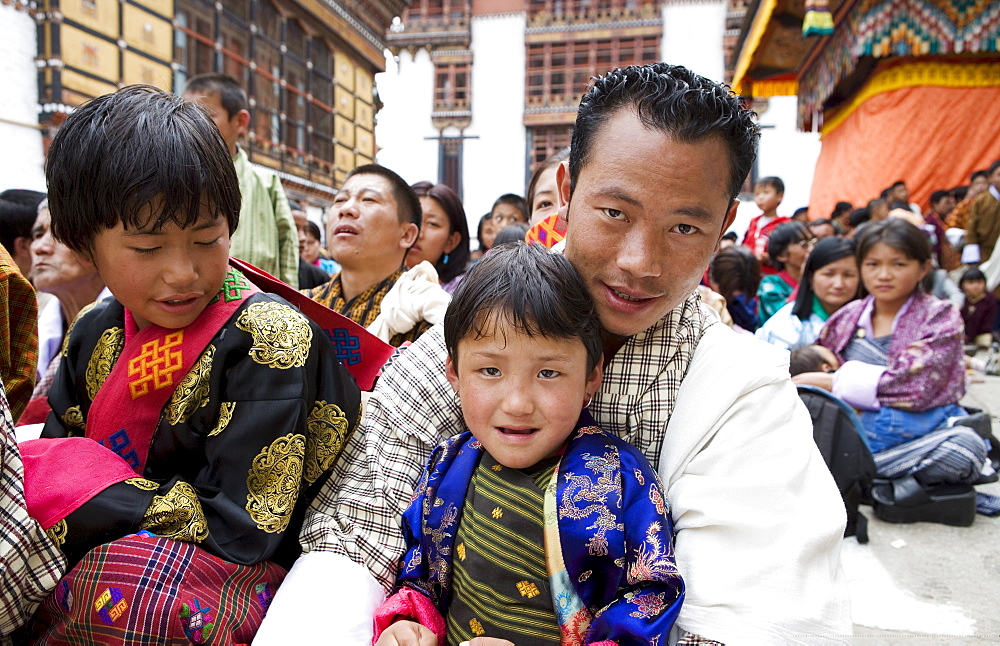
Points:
(767, 194)
(533, 524)
(812, 358)
(788, 248)
(979, 311)
(190, 406)
(735, 274)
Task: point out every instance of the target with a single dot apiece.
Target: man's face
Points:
(363, 224)
(644, 219)
(54, 267)
(995, 178)
(230, 127)
(900, 193)
(824, 230)
(978, 185)
(944, 206)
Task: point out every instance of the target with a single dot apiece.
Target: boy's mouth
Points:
(508, 430)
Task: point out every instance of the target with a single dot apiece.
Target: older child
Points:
(191, 406)
(533, 526)
(767, 194)
(902, 365)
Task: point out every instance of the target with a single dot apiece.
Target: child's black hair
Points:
(972, 274)
(135, 148)
(772, 181)
(529, 288)
(805, 359)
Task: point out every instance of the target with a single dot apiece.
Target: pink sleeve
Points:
(408, 604)
(856, 382)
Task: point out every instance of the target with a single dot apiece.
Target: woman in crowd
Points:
(902, 365)
(787, 247)
(829, 281)
(444, 234)
(542, 196)
(734, 273)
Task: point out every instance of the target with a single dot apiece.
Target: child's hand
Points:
(407, 633)
(822, 380)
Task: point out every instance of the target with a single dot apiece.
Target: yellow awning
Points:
(752, 42)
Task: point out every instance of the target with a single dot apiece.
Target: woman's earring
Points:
(445, 260)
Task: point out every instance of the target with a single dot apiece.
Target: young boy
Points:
(191, 405)
(533, 526)
(767, 194)
(979, 311)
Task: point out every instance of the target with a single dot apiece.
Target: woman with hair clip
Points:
(444, 234)
(902, 365)
(829, 281)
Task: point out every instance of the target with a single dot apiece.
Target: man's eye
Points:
(685, 229)
(614, 214)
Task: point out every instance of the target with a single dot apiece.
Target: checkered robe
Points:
(244, 441)
(614, 537)
(30, 562)
(19, 349)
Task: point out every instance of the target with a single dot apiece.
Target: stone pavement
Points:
(925, 583)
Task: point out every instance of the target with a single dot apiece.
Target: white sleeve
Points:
(759, 519)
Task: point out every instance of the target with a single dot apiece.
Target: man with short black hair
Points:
(373, 222)
(657, 159)
(266, 237)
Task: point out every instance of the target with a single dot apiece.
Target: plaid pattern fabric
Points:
(413, 408)
(30, 563)
(19, 351)
(108, 598)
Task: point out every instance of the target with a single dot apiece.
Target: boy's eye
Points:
(548, 374)
(210, 243)
(490, 372)
(144, 250)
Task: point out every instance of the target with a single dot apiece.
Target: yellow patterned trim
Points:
(897, 77)
(73, 418)
(58, 532)
(327, 434)
(177, 515)
(192, 392)
(69, 331)
(750, 44)
(226, 410)
(142, 483)
(281, 336)
(273, 482)
(103, 359)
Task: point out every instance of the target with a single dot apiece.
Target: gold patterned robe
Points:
(241, 447)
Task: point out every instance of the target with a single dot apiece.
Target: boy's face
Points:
(974, 289)
(521, 395)
(230, 127)
(166, 277)
(766, 197)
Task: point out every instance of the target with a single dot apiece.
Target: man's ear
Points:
(410, 233)
(563, 194)
(242, 122)
(450, 374)
(730, 216)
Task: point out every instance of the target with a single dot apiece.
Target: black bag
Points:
(839, 436)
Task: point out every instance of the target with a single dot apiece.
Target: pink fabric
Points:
(60, 474)
(409, 604)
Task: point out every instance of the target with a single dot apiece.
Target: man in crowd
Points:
(983, 227)
(17, 214)
(266, 236)
(979, 181)
(658, 155)
(373, 222)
